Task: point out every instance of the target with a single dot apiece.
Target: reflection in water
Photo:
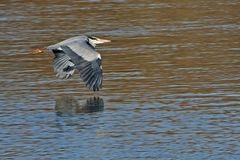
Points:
(71, 105)
(171, 81)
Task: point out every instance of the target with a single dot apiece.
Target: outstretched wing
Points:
(88, 62)
(62, 64)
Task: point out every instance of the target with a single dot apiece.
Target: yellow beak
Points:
(103, 40)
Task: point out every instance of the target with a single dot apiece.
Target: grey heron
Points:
(79, 53)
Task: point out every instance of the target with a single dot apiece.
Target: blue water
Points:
(171, 81)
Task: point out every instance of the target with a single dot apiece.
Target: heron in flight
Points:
(79, 53)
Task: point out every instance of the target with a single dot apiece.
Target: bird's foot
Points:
(38, 51)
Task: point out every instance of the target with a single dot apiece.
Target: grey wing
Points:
(65, 42)
(89, 66)
(62, 64)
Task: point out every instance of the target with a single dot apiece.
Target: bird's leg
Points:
(39, 51)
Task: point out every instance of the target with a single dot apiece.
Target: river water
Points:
(171, 85)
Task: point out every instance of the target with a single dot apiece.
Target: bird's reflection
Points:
(71, 105)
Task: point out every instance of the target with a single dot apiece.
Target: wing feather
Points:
(60, 62)
(89, 68)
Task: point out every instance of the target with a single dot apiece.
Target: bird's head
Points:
(94, 40)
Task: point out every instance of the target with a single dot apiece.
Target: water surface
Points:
(171, 81)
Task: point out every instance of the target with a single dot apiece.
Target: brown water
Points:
(171, 81)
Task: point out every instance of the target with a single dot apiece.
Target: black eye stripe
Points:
(93, 38)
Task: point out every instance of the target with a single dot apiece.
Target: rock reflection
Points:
(71, 105)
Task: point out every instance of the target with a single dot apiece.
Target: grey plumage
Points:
(79, 53)
(60, 63)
